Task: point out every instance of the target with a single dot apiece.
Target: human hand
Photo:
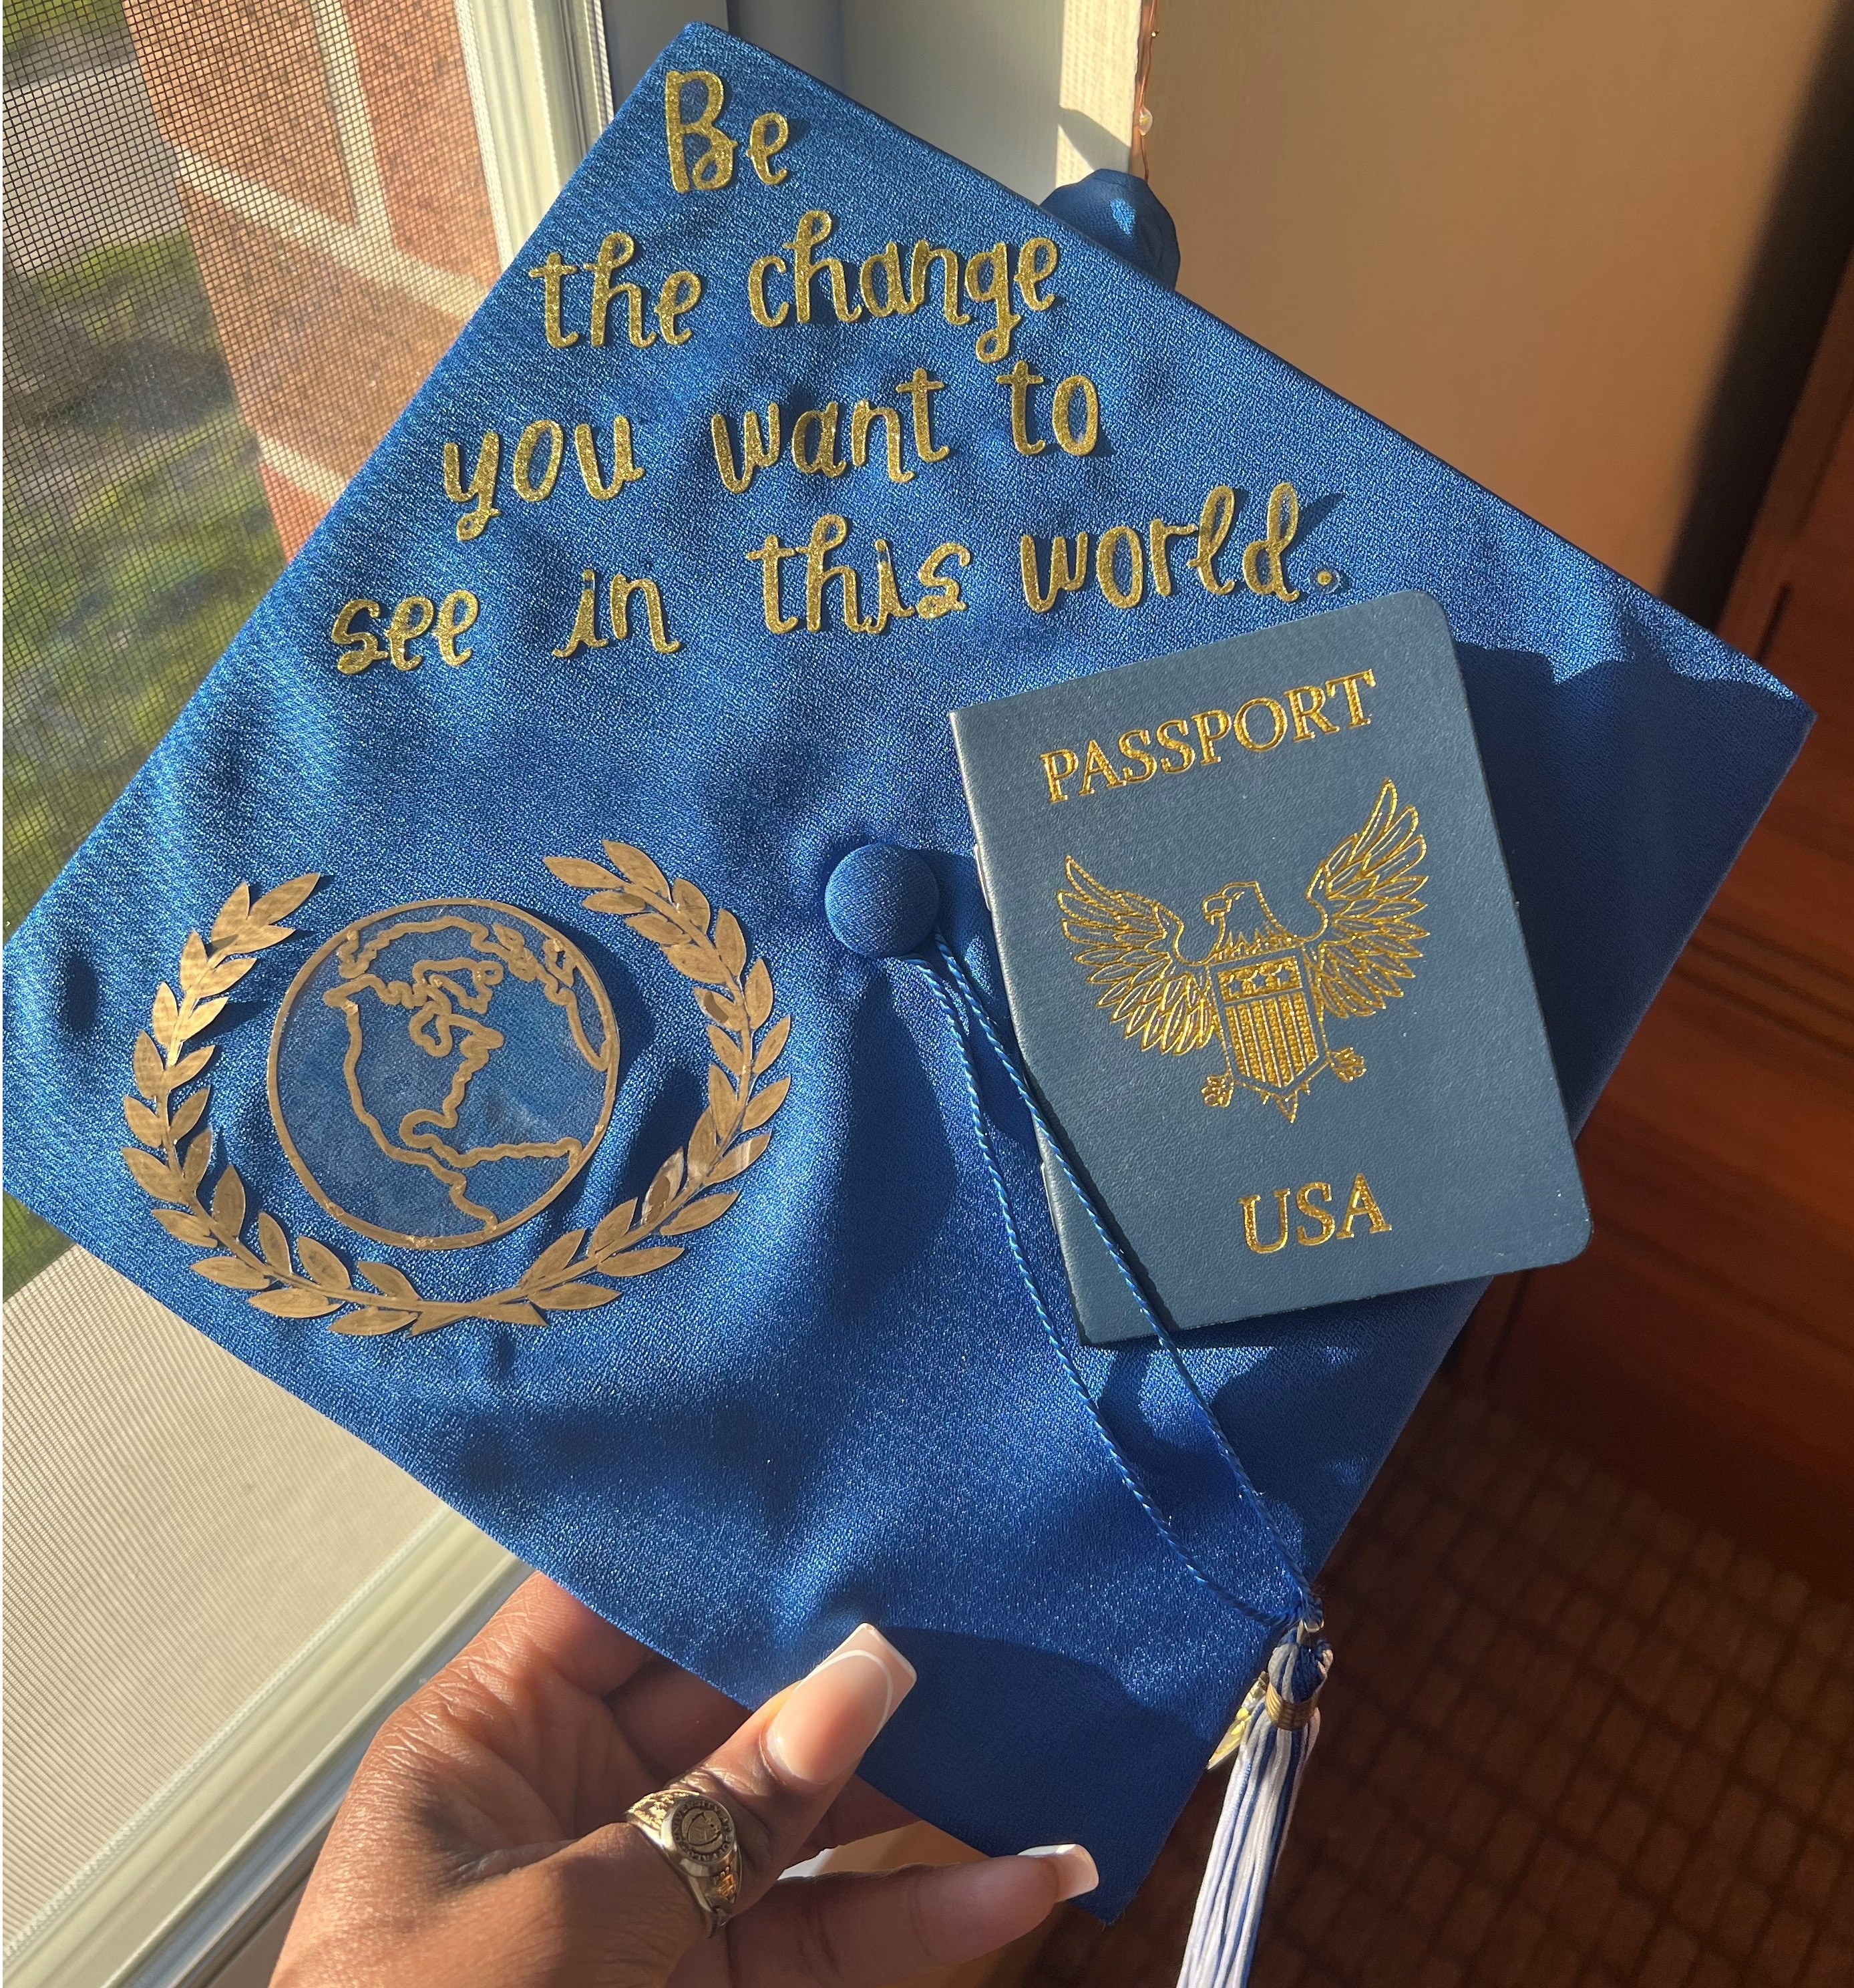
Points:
(483, 1844)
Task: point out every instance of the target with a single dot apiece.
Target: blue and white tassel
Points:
(1275, 1728)
(1270, 1738)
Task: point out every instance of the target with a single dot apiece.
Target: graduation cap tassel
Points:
(1270, 1739)
(1274, 1729)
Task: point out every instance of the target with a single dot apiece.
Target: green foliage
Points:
(29, 20)
(31, 1244)
(112, 618)
(137, 540)
(123, 289)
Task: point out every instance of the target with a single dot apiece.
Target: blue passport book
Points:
(1266, 974)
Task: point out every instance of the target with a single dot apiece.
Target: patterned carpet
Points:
(1570, 1739)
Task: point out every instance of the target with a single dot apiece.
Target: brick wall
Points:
(332, 184)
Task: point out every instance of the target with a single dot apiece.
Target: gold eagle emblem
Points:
(1266, 992)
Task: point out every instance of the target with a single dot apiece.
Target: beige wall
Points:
(1534, 235)
(1035, 93)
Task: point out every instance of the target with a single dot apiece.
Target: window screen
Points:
(239, 234)
(237, 240)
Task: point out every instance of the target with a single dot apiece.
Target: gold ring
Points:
(697, 1836)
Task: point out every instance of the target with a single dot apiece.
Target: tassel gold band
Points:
(1291, 1714)
(1288, 1714)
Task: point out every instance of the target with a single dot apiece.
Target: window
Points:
(238, 239)
(232, 254)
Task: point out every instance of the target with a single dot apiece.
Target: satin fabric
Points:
(840, 1403)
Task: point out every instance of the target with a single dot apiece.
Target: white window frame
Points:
(201, 1890)
(198, 1883)
(541, 87)
(236, 1833)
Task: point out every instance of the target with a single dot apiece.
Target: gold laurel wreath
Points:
(688, 1192)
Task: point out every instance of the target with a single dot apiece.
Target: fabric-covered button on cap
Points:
(1126, 216)
(881, 901)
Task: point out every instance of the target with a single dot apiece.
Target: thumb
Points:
(775, 1776)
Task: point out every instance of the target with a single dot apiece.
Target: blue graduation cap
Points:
(533, 1060)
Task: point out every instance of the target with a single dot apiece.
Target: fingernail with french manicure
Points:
(1075, 1868)
(829, 1717)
